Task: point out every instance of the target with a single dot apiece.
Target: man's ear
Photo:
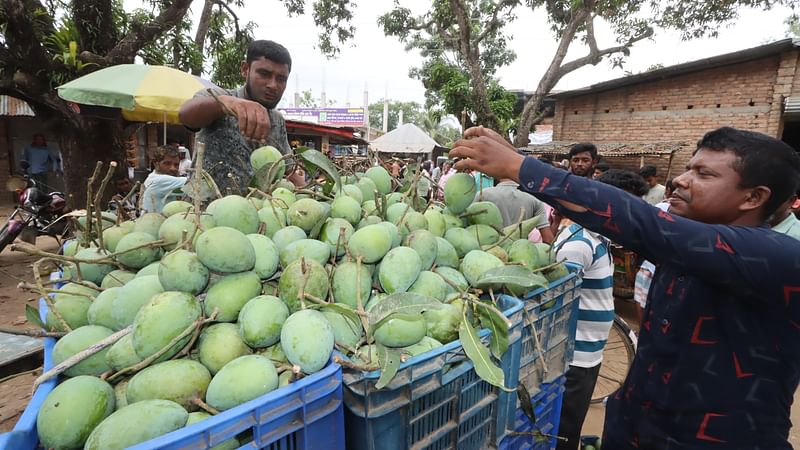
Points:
(756, 198)
(244, 68)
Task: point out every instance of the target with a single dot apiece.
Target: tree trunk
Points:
(96, 140)
(470, 54)
(528, 119)
(202, 31)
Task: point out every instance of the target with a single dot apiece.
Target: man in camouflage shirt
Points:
(230, 140)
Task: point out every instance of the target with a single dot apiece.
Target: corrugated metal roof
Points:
(791, 105)
(11, 106)
(613, 150)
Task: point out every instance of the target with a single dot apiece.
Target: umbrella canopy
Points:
(407, 138)
(143, 93)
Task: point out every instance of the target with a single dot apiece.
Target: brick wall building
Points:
(747, 89)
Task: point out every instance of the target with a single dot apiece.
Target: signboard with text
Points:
(337, 117)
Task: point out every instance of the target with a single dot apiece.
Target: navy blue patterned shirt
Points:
(717, 364)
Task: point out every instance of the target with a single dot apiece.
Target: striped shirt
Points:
(596, 310)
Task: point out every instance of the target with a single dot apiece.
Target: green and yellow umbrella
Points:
(143, 93)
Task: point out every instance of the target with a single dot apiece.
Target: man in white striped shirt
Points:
(596, 310)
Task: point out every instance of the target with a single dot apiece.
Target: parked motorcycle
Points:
(38, 213)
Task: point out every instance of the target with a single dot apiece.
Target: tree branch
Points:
(202, 29)
(595, 55)
(493, 23)
(23, 35)
(222, 4)
(94, 21)
(142, 34)
(558, 69)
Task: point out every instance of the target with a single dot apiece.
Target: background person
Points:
(510, 201)
(160, 185)
(40, 160)
(657, 191)
(783, 221)
(582, 159)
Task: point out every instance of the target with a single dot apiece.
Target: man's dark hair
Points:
(117, 178)
(602, 166)
(648, 171)
(583, 147)
(164, 151)
(761, 161)
(269, 50)
(626, 180)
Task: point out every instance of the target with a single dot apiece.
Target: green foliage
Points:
(449, 87)
(461, 59)
(412, 113)
(308, 100)
(793, 26)
(450, 56)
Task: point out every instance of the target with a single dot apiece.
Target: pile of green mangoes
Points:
(274, 282)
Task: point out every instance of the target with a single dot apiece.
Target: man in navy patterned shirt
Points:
(719, 351)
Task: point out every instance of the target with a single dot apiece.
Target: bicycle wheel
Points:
(617, 358)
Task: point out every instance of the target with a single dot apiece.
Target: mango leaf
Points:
(473, 347)
(498, 325)
(32, 315)
(515, 275)
(328, 187)
(314, 159)
(338, 309)
(525, 402)
(400, 303)
(268, 174)
(198, 187)
(389, 360)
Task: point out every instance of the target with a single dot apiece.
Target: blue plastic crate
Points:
(305, 415)
(553, 314)
(436, 400)
(547, 410)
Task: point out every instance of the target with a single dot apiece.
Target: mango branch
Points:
(106, 259)
(492, 309)
(351, 365)
(89, 193)
(98, 198)
(313, 194)
(149, 360)
(547, 267)
(199, 159)
(197, 401)
(507, 236)
(50, 304)
(362, 315)
(31, 333)
(188, 347)
(25, 286)
(80, 356)
(301, 296)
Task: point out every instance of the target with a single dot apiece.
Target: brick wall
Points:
(745, 95)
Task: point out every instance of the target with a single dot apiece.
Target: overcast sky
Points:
(381, 63)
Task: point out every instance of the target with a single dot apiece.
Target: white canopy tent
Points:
(407, 138)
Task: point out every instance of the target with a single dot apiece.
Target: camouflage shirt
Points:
(227, 154)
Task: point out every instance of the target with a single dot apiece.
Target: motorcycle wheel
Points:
(7, 236)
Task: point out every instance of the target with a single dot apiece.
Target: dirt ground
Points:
(15, 267)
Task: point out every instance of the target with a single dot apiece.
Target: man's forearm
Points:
(200, 112)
